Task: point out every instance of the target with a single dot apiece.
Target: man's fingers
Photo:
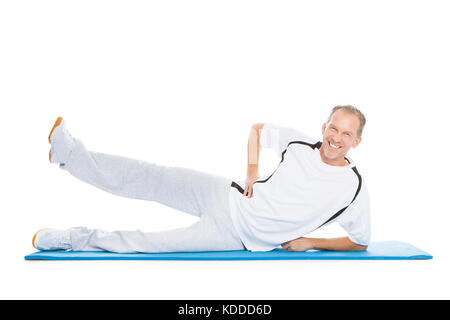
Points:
(248, 191)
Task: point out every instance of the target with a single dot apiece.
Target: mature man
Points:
(315, 184)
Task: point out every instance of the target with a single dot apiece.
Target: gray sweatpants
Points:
(194, 192)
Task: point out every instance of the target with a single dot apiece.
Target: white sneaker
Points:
(61, 142)
(52, 239)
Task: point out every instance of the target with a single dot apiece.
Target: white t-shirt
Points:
(301, 195)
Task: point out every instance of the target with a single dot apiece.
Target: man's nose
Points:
(336, 138)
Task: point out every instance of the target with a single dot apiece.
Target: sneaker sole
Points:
(57, 123)
(34, 237)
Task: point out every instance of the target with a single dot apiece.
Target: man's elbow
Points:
(258, 126)
(358, 247)
(355, 246)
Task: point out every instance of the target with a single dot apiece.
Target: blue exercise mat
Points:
(387, 250)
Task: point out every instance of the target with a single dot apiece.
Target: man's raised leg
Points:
(184, 189)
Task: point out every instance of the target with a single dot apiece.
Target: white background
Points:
(180, 83)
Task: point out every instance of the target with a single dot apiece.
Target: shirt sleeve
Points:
(277, 138)
(356, 218)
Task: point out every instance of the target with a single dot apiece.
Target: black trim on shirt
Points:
(337, 214)
(313, 146)
(235, 185)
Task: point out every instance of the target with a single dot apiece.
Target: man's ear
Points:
(324, 127)
(356, 142)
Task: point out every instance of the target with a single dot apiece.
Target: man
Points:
(315, 184)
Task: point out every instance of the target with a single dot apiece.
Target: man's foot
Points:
(61, 142)
(57, 123)
(52, 239)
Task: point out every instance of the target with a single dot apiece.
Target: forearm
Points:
(253, 150)
(335, 244)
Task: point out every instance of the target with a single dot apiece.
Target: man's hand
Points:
(336, 244)
(300, 244)
(248, 191)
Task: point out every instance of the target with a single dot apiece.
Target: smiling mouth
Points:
(333, 145)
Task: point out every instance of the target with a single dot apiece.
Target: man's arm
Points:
(253, 158)
(254, 144)
(335, 244)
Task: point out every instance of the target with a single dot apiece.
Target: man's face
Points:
(339, 135)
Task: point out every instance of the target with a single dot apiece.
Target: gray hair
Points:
(352, 110)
